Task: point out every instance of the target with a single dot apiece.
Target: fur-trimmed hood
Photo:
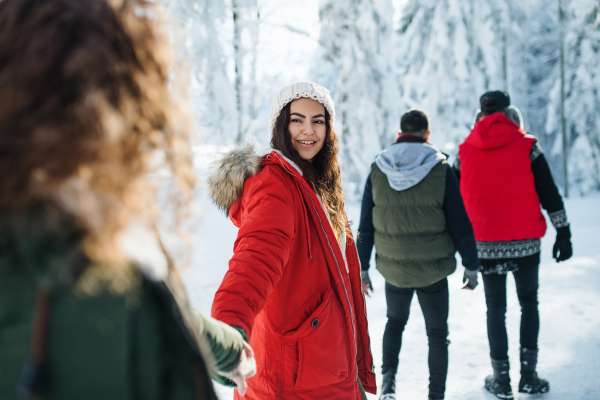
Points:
(228, 174)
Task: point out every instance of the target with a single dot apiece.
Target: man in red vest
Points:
(504, 177)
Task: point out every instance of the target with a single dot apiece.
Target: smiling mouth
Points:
(307, 141)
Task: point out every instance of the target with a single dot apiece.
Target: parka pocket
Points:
(317, 353)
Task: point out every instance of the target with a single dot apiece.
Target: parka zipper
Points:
(336, 262)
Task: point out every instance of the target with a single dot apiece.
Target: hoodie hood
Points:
(407, 164)
(494, 131)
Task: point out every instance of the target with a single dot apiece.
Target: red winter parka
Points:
(497, 182)
(288, 286)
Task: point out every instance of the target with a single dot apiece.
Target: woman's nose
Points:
(308, 129)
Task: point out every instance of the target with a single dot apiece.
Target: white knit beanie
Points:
(297, 90)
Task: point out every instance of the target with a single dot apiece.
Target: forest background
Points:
(381, 57)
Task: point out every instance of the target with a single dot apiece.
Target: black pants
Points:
(434, 304)
(526, 280)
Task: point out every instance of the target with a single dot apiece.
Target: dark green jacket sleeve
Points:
(226, 343)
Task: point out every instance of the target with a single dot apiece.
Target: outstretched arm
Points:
(226, 343)
(234, 358)
(260, 251)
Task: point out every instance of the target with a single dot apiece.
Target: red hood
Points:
(493, 131)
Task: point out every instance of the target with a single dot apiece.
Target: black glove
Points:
(470, 279)
(563, 249)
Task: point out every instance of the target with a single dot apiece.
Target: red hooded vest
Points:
(497, 182)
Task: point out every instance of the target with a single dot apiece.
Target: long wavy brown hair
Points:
(87, 112)
(323, 173)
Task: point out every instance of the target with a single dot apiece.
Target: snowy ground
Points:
(569, 310)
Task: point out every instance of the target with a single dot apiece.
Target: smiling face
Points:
(307, 127)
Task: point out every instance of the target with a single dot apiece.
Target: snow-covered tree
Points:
(582, 100)
(246, 20)
(541, 57)
(356, 62)
(451, 52)
(211, 90)
(442, 56)
(241, 52)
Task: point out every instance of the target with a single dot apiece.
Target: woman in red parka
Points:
(293, 285)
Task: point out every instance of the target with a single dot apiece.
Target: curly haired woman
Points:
(293, 284)
(90, 306)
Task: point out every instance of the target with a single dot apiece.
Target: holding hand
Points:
(366, 282)
(245, 370)
(470, 279)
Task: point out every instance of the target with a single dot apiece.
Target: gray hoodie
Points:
(407, 164)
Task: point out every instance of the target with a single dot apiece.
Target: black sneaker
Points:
(501, 389)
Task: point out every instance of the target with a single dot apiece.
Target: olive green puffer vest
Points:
(414, 247)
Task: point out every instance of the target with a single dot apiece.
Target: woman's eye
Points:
(296, 120)
(318, 121)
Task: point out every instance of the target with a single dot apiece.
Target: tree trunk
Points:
(255, 37)
(238, 58)
(563, 118)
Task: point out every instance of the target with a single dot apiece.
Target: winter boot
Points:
(388, 388)
(499, 383)
(530, 383)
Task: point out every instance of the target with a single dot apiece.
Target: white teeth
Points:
(305, 142)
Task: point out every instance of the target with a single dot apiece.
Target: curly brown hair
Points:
(87, 111)
(322, 173)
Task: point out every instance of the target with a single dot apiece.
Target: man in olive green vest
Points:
(413, 213)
